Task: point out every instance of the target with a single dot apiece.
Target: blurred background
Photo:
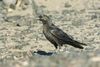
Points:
(22, 43)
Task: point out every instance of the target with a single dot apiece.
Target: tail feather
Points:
(83, 44)
(77, 44)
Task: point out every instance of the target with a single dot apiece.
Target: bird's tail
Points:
(77, 44)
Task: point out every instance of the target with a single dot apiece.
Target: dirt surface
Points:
(22, 43)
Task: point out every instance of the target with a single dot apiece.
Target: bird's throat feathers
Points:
(47, 23)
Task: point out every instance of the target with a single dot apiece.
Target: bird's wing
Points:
(58, 33)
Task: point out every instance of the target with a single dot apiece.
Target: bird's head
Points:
(44, 18)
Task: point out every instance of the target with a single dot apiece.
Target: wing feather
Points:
(58, 33)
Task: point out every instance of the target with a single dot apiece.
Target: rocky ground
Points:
(22, 43)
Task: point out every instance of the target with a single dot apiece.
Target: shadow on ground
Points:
(40, 52)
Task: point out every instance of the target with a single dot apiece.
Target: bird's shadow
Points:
(40, 52)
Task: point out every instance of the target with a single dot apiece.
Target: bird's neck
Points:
(47, 25)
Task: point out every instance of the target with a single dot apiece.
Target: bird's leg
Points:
(58, 49)
(63, 48)
(59, 46)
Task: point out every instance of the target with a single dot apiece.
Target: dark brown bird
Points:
(56, 36)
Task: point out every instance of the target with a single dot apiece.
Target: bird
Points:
(56, 36)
